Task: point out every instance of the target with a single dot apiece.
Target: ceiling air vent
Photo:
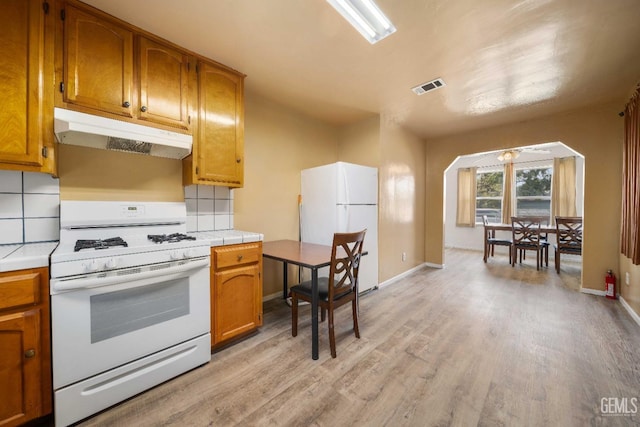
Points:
(429, 86)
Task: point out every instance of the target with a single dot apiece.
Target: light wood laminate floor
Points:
(471, 344)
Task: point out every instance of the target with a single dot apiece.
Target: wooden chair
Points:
(490, 240)
(526, 237)
(339, 288)
(568, 237)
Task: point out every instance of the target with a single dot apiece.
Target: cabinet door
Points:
(238, 301)
(98, 63)
(22, 112)
(163, 86)
(19, 368)
(220, 140)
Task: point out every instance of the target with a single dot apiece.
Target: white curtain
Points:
(508, 193)
(466, 209)
(563, 188)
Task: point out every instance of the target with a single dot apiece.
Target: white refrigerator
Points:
(342, 197)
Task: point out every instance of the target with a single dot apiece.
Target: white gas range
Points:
(130, 302)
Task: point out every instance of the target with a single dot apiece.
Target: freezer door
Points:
(356, 184)
(356, 218)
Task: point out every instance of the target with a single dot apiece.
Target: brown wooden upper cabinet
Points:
(163, 84)
(26, 111)
(107, 68)
(218, 148)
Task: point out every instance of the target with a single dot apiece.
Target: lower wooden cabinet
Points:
(236, 291)
(25, 365)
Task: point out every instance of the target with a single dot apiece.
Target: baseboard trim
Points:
(630, 310)
(269, 297)
(401, 275)
(432, 265)
(593, 292)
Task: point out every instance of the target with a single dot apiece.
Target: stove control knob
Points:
(111, 263)
(90, 266)
(188, 253)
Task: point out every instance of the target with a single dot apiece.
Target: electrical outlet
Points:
(626, 278)
(404, 256)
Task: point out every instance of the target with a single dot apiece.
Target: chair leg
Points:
(538, 260)
(332, 334)
(354, 308)
(294, 315)
(557, 262)
(323, 314)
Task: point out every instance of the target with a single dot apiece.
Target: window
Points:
(533, 192)
(489, 196)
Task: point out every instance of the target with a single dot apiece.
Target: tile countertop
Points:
(228, 237)
(23, 256)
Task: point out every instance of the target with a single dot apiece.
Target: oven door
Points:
(98, 328)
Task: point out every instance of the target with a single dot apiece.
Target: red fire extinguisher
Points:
(610, 285)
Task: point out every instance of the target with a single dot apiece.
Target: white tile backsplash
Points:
(223, 193)
(41, 205)
(206, 206)
(205, 222)
(29, 207)
(223, 206)
(221, 222)
(40, 183)
(11, 231)
(10, 182)
(191, 192)
(206, 192)
(41, 229)
(10, 205)
(209, 208)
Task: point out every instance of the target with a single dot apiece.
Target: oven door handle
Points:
(168, 273)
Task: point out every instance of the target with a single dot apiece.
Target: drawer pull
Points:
(29, 353)
(239, 257)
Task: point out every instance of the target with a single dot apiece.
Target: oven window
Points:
(121, 312)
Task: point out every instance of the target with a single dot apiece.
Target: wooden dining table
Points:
(308, 255)
(492, 228)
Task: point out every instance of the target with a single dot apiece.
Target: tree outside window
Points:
(533, 192)
(489, 196)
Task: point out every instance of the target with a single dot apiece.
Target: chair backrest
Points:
(485, 222)
(526, 230)
(345, 263)
(569, 232)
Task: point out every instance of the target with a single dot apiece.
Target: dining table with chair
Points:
(531, 233)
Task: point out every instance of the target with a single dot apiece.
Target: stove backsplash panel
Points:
(29, 207)
(209, 208)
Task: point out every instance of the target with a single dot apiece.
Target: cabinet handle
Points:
(29, 353)
(126, 104)
(143, 109)
(239, 257)
(238, 160)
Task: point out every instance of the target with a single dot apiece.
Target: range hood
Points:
(74, 128)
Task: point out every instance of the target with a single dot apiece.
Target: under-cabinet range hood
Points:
(74, 128)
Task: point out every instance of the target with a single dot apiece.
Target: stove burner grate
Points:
(99, 244)
(169, 238)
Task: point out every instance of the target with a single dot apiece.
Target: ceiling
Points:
(533, 156)
(502, 60)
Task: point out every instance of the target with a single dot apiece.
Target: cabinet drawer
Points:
(19, 290)
(228, 256)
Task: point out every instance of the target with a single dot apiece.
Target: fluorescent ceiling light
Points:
(366, 17)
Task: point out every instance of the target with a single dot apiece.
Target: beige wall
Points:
(279, 143)
(630, 292)
(94, 174)
(595, 132)
(401, 207)
(360, 143)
